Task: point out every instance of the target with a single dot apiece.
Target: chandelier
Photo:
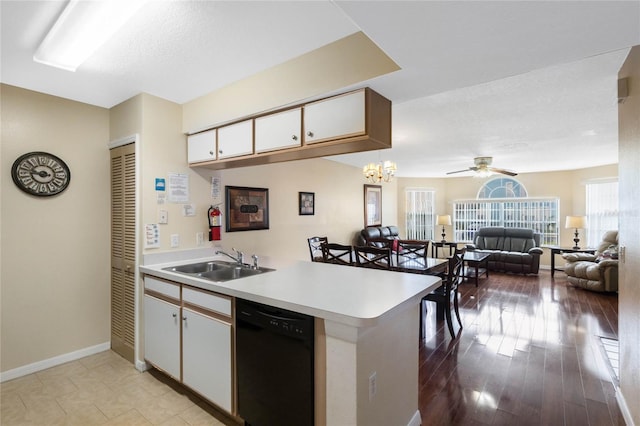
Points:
(375, 173)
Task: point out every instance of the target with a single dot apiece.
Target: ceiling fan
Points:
(482, 168)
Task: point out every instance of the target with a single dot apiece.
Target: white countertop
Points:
(353, 296)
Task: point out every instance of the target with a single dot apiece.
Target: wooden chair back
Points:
(454, 273)
(412, 251)
(373, 257)
(315, 247)
(339, 254)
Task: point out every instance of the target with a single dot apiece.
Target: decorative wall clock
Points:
(40, 173)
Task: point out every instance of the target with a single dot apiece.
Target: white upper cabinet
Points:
(235, 140)
(351, 122)
(201, 146)
(279, 130)
(335, 118)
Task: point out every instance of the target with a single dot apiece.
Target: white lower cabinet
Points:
(162, 335)
(195, 336)
(206, 357)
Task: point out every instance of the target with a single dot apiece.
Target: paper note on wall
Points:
(178, 188)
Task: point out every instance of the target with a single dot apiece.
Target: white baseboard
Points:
(142, 366)
(416, 420)
(624, 408)
(52, 362)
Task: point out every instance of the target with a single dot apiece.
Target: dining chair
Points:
(414, 251)
(373, 257)
(315, 247)
(339, 254)
(380, 242)
(446, 296)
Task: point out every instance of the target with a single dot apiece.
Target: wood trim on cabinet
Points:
(377, 136)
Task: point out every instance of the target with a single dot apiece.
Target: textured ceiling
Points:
(532, 84)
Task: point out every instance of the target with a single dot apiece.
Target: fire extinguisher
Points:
(214, 223)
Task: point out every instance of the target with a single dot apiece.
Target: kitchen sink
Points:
(200, 267)
(232, 273)
(217, 270)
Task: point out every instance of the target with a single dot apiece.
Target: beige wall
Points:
(338, 214)
(568, 186)
(629, 301)
(55, 251)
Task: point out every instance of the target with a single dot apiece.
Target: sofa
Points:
(511, 249)
(598, 271)
(376, 235)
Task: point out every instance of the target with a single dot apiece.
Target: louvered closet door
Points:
(123, 180)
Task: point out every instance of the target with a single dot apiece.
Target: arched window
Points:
(502, 187)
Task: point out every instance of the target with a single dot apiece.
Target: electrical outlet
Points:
(199, 238)
(373, 385)
(175, 240)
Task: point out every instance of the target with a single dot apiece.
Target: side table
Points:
(435, 245)
(476, 265)
(561, 250)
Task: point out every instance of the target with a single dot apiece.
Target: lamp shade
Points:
(576, 222)
(443, 219)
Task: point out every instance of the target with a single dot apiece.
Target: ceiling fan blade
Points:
(503, 171)
(459, 171)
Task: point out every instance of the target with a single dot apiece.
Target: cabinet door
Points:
(162, 335)
(201, 146)
(335, 118)
(235, 140)
(206, 355)
(278, 131)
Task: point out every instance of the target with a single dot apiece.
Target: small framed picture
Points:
(306, 203)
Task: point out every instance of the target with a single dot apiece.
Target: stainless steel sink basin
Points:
(217, 270)
(197, 268)
(233, 273)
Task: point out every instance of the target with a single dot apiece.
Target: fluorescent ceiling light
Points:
(81, 29)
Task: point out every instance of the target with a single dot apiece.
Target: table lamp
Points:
(443, 220)
(576, 222)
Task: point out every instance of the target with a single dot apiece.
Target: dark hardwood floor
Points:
(529, 354)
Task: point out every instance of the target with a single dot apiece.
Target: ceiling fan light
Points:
(82, 28)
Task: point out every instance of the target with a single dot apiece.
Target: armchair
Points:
(598, 271)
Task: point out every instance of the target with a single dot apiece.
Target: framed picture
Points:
(372, 205)
(306, 203)
(247, 208)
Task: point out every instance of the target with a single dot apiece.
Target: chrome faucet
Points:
(255, 261)
(239, 259)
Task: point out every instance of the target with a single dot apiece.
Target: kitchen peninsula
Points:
(366, 324)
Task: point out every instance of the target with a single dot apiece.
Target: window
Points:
(504, 202)
(602, 210)
(420, 217)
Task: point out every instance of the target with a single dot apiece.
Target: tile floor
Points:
(102, 389)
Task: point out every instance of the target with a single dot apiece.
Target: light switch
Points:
(175, 240)
(163, 216)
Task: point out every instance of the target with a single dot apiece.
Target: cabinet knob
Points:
(175, 315)
(219, 151)
(210, 152)
(294, 137)
(184, 318)
(310, 134)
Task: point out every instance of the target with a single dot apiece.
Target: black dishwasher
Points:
(274, 353)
